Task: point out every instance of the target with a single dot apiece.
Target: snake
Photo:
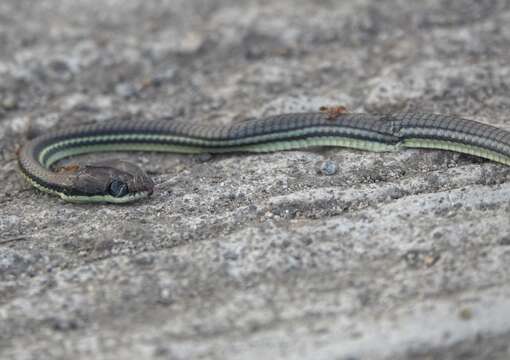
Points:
(116, 181)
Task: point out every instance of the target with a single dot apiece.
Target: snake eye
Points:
(118, 188)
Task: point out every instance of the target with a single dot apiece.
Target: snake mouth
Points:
(80, 199)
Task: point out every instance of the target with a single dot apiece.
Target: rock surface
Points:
(322, 254)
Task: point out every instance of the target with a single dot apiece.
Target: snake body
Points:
(120, 182)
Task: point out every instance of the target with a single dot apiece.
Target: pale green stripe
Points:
(104, 198)
(454, 136)
(68, 152)
(39, 186)
(267, 147)
(201, 143)
(458, 147)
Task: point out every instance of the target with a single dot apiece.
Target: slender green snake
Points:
(121, 182)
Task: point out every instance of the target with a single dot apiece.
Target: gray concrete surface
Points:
(395, 256)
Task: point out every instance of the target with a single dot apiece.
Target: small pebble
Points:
(466, 314)
(204, 157)
(163, 77)
(125, 90)
(328, 168)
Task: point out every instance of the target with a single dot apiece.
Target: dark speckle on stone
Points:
(59, 66)
(307, 241)
(144, 259)
(437, 235)
(230, 255)
(505, 241)
(394, 193)
(62, 325)
(163, 352)
(12, 263)
(105, 245)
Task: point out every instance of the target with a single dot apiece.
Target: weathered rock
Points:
(391, 255)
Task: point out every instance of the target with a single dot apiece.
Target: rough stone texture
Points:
(393, 255)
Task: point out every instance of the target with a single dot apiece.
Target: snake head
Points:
(113, 181)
